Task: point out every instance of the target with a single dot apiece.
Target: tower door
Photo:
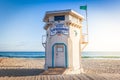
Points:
(59, 53)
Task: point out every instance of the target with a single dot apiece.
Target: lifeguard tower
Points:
(64, 40)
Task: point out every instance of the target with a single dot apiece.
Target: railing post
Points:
(44, 40)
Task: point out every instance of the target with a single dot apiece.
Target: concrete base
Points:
(61, 71)
(72, 71)
(45, 67)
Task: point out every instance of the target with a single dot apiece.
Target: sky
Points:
(21, 23)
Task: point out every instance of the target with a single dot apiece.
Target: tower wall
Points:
(50, 41)
(70, 41)
(75, 39)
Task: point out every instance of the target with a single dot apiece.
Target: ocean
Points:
(23, 54)
(42, 54)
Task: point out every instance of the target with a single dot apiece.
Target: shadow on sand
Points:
(20, 72)
(28, 74)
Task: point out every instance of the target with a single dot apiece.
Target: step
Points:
(54, 71)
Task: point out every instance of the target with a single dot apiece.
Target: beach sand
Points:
(31, 69)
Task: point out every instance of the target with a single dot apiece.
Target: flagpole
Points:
(85, 36)
(87, 21)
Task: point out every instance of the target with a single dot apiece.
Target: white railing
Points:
(44, 40)
(84, 38)
(84, 41)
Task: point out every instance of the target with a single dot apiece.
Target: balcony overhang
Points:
(68, 23)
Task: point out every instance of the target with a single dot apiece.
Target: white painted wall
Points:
(51, 18)
(75, 46)
(72, 42)
(50, 42)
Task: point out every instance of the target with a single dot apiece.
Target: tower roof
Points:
(62, 12)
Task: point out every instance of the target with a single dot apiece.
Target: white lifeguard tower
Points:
(64, 40)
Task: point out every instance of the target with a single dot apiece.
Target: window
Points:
(59, 48)
(59, 18)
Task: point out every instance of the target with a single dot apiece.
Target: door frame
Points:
(66, 54)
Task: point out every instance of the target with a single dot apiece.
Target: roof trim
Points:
(69, 11)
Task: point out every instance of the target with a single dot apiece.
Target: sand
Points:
(31, 69)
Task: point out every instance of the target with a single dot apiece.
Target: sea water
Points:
(23, 54)
(88, 54)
